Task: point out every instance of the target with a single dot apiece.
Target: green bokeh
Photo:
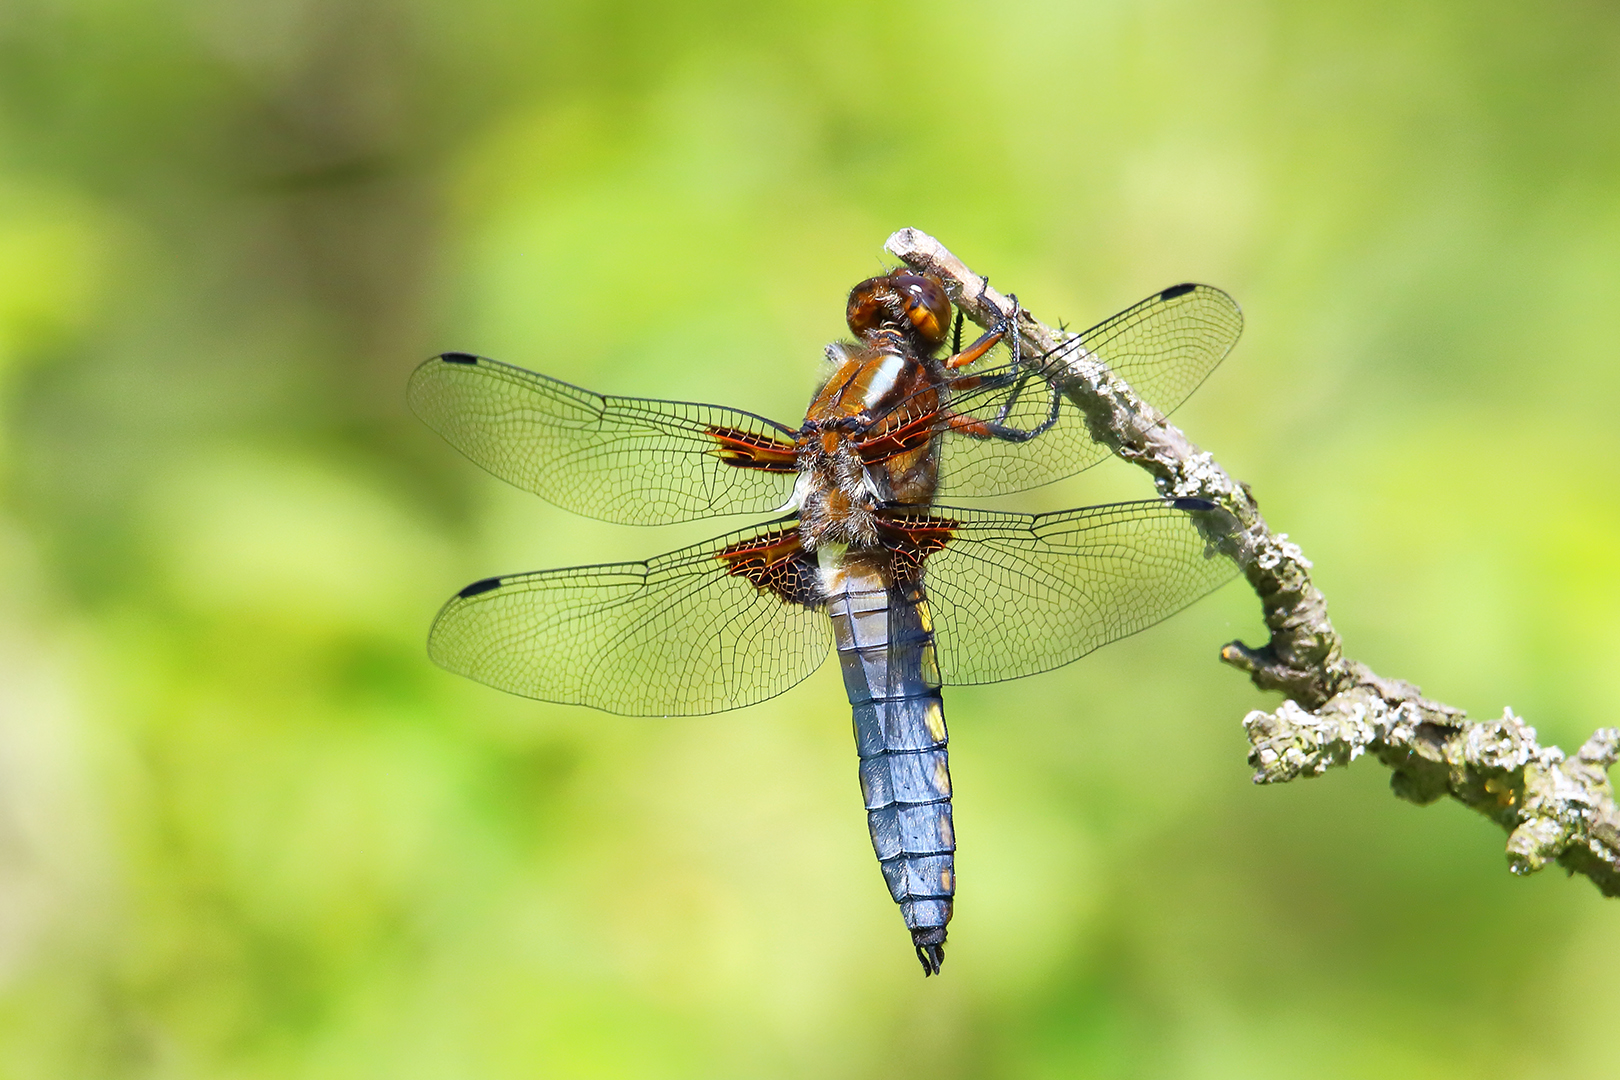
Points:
(247, 830)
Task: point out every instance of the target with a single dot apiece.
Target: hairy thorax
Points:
(838, 490)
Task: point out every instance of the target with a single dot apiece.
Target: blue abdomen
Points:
(885, 644)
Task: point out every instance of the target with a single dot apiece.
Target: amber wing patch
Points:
(749, 450)
(911, 538)
(912, 435)
(775, 562)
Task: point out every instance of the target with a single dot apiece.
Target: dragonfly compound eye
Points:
(871, 307)
(913, 304)
(927, 307)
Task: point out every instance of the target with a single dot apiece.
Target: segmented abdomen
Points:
(885, 644)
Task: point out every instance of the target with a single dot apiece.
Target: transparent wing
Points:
(635, 461)
(681, 634)
(1164, 347)
(1014, 594)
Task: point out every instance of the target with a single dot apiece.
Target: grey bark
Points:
(1555, 808)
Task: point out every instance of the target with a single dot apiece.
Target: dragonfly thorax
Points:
(857, 451)
(837, 493)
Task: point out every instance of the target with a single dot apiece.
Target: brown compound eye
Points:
(868, 309)
(926, 306)
(901, 301)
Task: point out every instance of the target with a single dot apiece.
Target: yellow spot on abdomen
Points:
(934, 717)
(925, 618)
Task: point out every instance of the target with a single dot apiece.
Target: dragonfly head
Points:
(911, 304)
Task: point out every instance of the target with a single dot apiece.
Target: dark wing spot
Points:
(775, 562)
(467, 358)
(480, 587)
(911, 538)
(1177, 290)
(1191, 504)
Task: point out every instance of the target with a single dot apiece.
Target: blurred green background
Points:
(248, 830)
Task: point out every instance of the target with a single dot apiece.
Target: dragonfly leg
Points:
(998, 428)
(987, 341)
(1001, 331)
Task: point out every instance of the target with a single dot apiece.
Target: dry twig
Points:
(1553, 807)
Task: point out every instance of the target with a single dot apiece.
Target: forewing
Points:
(1163, 347)
(1014, 594)
(699, 630)
(636, 461)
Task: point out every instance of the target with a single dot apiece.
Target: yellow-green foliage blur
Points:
(247, 830)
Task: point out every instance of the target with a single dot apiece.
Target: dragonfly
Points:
(858, 556)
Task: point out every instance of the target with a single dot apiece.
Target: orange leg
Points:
(975, 428)
(987, 341)
(969, 426)
(973, 352)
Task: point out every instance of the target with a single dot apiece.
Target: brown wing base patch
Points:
(910, 436)
(911, 538)
(748, 450)
(776, 562)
